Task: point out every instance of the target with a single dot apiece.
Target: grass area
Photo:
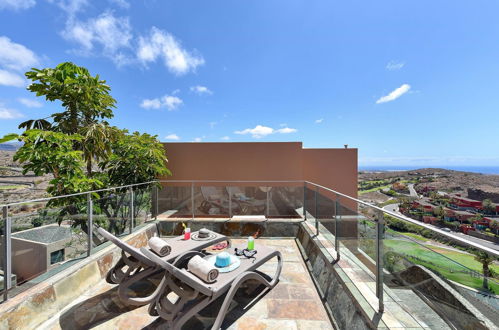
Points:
(414, 236)
(440, 262)
(388, 202)
(374, 189)
(11, 187)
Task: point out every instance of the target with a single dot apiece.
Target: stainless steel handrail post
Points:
(305, 200)
(380, 228)
(337, 217)
(316, 213)
(156, 202)
(192, 199)
(131, 209)
(229, 190)
(7, 268)
(267, 204)
(90, 223)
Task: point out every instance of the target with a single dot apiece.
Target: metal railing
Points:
(306, 205)
(89, 198)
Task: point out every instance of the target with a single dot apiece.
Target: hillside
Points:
(14, 186)
(473, 185)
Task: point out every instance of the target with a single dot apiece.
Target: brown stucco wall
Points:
(252, 161)
(235, 161)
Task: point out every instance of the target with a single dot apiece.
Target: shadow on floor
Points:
(245, 298)
(103, 306)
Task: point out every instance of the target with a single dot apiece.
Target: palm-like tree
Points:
(96, 144)
(488, 206)
(485, 259)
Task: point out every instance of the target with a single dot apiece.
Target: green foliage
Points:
(46, 152)
(391, 192)
(84, 97)
(439, 212)
(488, 206)
(69, 144)
(136, 158)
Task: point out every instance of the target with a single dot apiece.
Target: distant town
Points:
(460, 202)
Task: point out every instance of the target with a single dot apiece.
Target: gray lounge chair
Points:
(134, 266)
(194, 294)
(249, 205)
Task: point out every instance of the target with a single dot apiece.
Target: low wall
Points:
(232, 228)
(483, 236)
(337, 294)
(30, 308)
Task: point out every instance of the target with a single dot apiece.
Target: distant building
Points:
(423, 205)
(463, 203)
(457, 215)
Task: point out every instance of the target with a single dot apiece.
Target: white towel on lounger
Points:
(159, 246)
(202, 269)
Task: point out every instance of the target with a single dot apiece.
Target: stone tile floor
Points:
(293, 304)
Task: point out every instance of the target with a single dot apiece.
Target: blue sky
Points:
(408, 83)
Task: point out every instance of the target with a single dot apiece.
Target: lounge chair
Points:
(134, 266)
(215, 199)
(249, 205)
(194, 294)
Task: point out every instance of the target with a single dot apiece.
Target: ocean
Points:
(474, 169)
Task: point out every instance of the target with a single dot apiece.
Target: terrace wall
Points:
(269, 161)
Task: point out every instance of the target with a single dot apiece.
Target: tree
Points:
(485, 259)
(439, 212)
(86, 101)
(84, 97)
(46, 152)
(80, 149)
(488, 206)
(136, 158)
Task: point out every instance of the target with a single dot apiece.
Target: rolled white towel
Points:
(159, 246)
(202, 269)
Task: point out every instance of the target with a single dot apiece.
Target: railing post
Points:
(156, 202)
(229, 190)
(305, 200)
(380, 229)
(90, 223)
(337, 217)
(131, 209)
(7, 263)
(192, 199)
(267, 204)
(316, 213)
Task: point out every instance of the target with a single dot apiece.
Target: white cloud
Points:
(121, 3)
(318, 121)
(394, 65)
(172, 102)
(168, 101)
(198, 139)
(212, 124)
(286, 130)
(200, 90)
(71, 7)
(225, 138)
(172, 137)
(150, 104)
(11, 79)
(14, 56)
(112, 34)
(17, 4)
(30, 103)
(395, 94)
(260, 131)
(6, 113)
(161, 44)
